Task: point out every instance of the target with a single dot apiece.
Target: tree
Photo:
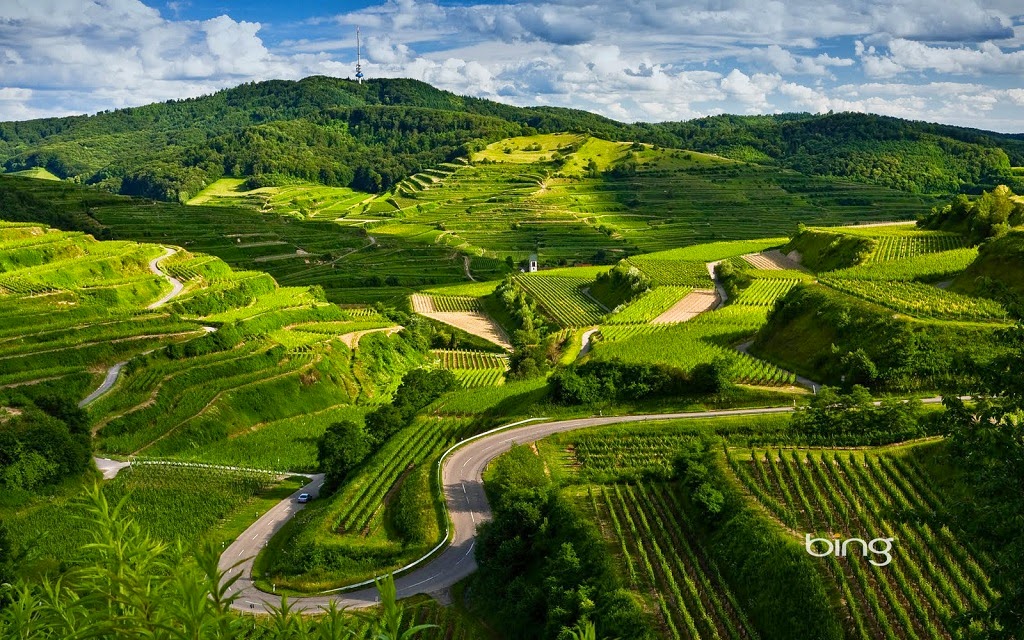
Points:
(341, 448)
(710, 377)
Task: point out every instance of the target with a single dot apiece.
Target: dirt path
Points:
(773, 260)
(465, 266)
(722, 295)
(692, 305)
(587, 335)
(112, 375)
(351, 340)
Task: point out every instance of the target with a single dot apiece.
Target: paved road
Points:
(586, 343)
(110, 468)
(108, 382)
(462, 479)
(176, 286)
(722, 295)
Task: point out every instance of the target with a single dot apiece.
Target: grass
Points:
(170, 503)
(39, 173)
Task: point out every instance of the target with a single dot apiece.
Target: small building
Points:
(533, 262)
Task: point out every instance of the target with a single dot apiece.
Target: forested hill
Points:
(323, 129)
(908, 155)
(370, 136)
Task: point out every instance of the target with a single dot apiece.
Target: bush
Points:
(341, 448)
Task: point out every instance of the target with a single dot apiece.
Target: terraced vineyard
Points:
(648, 306)
(563, 299)
(474, 368)
(659, 553)
(934, 576)
(679, 273)
(341, 530)
(929, 267)
(899, 247)
(763, 292)
(705, 338)
(921, 300)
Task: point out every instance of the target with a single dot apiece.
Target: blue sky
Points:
(959, 62)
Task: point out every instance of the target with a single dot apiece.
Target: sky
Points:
(953, 61)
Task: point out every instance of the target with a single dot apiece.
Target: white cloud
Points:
(628, 59)
(784, 61)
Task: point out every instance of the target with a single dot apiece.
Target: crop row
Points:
(933, 577)
(562, 298)
(649, 306)
(899, 247)
(470, 378)
(455, 303)
(921, 300)
(678, 273)
(764, 292)
(456, 359)
(663, 560)
(363, 497)
(927, 266)
(703, 339)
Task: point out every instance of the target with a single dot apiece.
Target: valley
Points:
(544, 375)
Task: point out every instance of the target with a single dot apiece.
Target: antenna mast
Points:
(359, 58)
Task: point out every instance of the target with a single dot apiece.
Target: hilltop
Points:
(371, 136)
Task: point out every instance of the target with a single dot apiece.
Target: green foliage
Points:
(529, 324)
(124, 583)
(620, 285)
(542, 568)
(695, 467)
(758, 560)
(609, 381)
(412, 513)
(990, 215)
(42, 442)
(987, 442)
(341, 448)
(813, 329)
(910, 156)
(848, 419)
(419, 387)
(996, 273)
(928, 267)
(825, 251)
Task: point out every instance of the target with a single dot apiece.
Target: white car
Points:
(304, 497)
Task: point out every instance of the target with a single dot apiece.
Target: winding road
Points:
(176, 286)
(112, 375)
(114, 372)
(462, 469)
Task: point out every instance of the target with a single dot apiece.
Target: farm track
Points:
(461, 470)
(773, 260)
(692, 305)
(351, 340)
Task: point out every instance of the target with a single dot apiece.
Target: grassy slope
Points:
(908, 353)
(999, 261)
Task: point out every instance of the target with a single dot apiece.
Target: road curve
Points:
(108, 382)
(462, 479)
(176, 286)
